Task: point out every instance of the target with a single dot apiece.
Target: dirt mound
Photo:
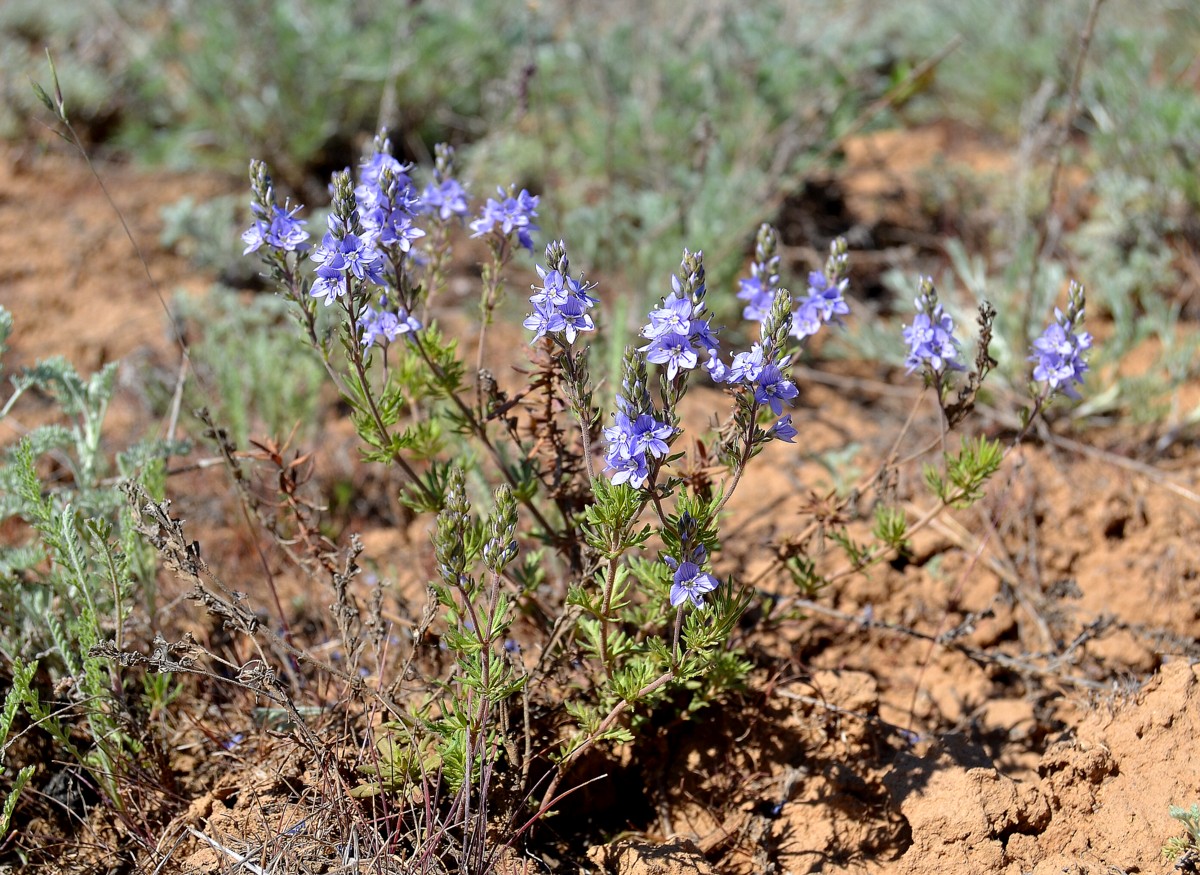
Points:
(1099, 806)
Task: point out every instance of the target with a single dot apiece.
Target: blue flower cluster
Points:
(382, 327)
(508, 214)
(824, 303)
(633, 437)
(282, 232)
(378, 221)
(1059, 351)
(388, 202)
(757, 370)
(341, 255)
(561, 303)
(678, 330)
(930, 338)
(758, 290)
(771, 387)
(445, 198)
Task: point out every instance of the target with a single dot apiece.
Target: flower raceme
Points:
(446, 199)
(930, 338)
(341, 255)
(284, 232)
(445, 196)
(823, 304)
(771, 387)
(758, 290)
(931, 342)
(382, 327)
(1059, 353)
(561, 303)
(1059, 356)
(825, 301)
(678, 333)
(508, 214)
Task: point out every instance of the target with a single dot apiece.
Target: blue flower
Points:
(446, 198)
(717, 369)
(827, 296)
(350, 255)
(387, 202)
(784, 430)
(673, 350)
(806, 321)
(545, 319)
(507, 215)
(1059, 354)
(758, 291)
(930, 338)
(330, 285)
(673, 316)
(650, 435)
(630, 470)
(758, 296)
(824, 303)
(772, 387)
(689, 583)
(284, 232)
(746, 365)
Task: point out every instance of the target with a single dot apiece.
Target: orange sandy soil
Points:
(1044, 724)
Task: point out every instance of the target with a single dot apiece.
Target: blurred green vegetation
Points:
(254, 372)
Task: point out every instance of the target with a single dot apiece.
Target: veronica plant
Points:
(603, 527)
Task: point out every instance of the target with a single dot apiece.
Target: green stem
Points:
(610, 580)
(600, 729)
(479, 429)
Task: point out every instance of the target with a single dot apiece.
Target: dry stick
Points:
(1085, 41)
(859, 384)
(966, 541)
(816, 702)
(185, 360)
(945, 504)
(889, 462)
(240, 860)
